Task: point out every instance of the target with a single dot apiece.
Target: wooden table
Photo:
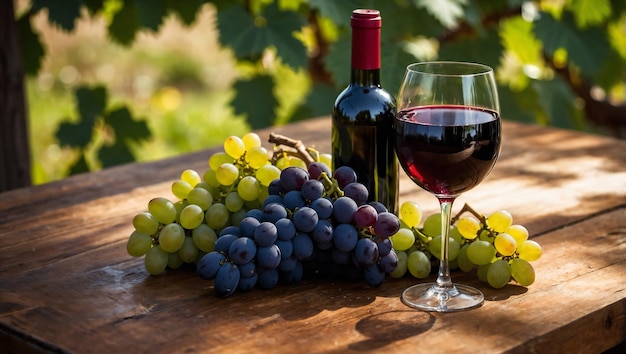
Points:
(68, 285)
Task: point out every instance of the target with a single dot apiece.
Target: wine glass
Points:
(447, 139)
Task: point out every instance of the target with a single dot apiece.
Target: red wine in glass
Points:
(447, 149)
(447, 139)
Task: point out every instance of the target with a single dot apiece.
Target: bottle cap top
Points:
(366, 18)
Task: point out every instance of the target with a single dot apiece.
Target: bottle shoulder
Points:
(362, 103)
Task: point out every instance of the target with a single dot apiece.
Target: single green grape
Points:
(282, 162)
(174, 261)
(251, 140)
(191, 176)
(505, 244)
(519, 233)
(227, 174)
(189, 251)
(181, 189)
(326, 159)
(138, 244)
(481, 272)
(480, 252)
(267, 173)
(191, 216)
(418, 264)
(297, 162)
(162, 209)
(171, 237)
(468, 227)
(464, 263)
(500, 220)
(156, 260)
(180, 205)
(249, 188)
(257, 157)
(237, 216)
(234, 146)
(219, 158)
(499, 274)
(411, 214)
(403, 239)
(522, 271)
(204, 238)
(432, 225)
(233, 202)
(435, 247)
(529, 250)
(217, 216)
(402, 266)
(146, 223)
(455, 234)
(210, 178)
(200, 197)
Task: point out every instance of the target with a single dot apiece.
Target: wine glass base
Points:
(434, 298)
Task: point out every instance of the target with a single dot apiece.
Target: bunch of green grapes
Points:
(172, 233)
(499, 250)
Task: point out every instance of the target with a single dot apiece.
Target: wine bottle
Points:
(363, 115)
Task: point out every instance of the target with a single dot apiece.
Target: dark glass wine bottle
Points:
(363, 115)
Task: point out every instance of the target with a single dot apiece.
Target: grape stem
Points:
(480, 217)
(469, 209)
(300, 148)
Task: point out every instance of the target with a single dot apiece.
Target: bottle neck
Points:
(365, 77)
(365, 61)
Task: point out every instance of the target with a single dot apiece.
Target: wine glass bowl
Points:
(447, 140)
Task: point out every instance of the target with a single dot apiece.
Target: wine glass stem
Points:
(443, 278)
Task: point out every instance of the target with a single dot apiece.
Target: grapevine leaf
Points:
(612, 73)
(518, 105)
(448, 12)
(31, 46)
(338, 11)
(115, 154)
(556, 97)
(590, 12)
(485, 49)
(124, 25)
(318, 102)
(400, 19)
(125, 127)
(394, 60)
(61, 13)
(75, 135)
(337, 61)
(249, 35)
(586, 49)
(135, 15)
(93, 6)
(150, 14)
(185, 10)
(517, 37)
(91, 103)
(255, 98)
(79, 166)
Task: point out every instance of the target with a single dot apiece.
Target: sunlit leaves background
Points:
(113, 81)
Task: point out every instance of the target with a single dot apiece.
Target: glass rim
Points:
(443, 68)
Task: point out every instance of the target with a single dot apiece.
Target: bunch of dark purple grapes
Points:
(313, 223)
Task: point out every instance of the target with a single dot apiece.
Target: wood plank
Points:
(65, 277)
(110, 302)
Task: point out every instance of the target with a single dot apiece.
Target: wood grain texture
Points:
(67, 284)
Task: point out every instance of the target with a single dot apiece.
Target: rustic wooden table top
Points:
(68, 285)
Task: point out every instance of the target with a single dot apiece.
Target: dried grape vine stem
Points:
(301, 150)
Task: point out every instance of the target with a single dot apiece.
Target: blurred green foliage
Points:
(558, 62)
